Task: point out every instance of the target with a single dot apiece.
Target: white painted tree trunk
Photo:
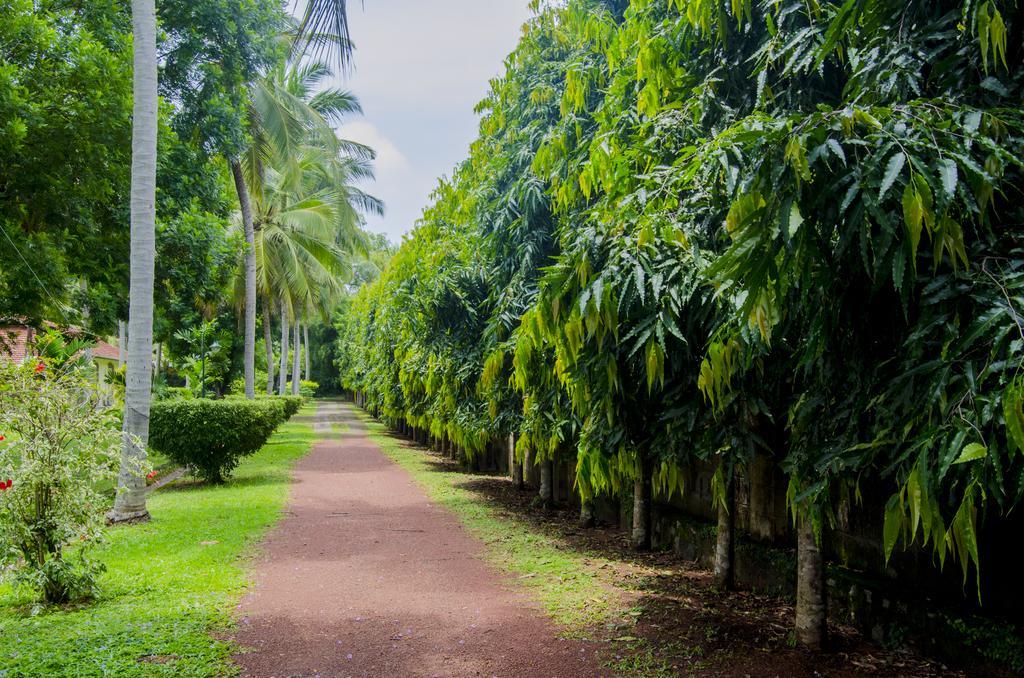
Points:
(283, 367)
(130, 502)
(268, 341)
(296, 355)
(249, 358)
(307, 352)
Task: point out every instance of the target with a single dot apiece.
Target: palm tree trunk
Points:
(122, 344)
(305, 342)
(130, 502)
(283, 376)
(249, 359)
(268, 341)
(296, 355)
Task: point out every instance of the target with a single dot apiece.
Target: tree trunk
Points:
(586, 513)
(810, 588)
(306, 353)
(296, 355)
(268, 317)
(159, 360)
(725, 547)
(517, 467)
(122, 344)
(642, 507)
(283, 367)
(249, 359)
(130, 502)
(545, 483)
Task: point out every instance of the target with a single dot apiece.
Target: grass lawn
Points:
(169, 583)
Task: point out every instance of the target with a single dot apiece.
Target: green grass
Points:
(169, 583)
(563, 579)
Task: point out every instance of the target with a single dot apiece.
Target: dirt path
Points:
(366, 577)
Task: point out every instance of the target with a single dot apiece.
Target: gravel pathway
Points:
(366, 577)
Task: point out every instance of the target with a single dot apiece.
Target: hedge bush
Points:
(210, 436)
(292, 404)
(175, 393)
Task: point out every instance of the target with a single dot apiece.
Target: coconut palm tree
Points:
(130, 503)
(322, 27)
(305, 211)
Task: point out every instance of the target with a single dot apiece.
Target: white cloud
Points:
(420, 68)
(389, 159)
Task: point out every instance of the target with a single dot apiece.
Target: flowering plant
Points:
(57, 447)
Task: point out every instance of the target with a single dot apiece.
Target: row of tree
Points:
(696, 230)
(214, 137)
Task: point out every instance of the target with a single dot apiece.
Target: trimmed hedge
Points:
(210, 436)
(175, 392)
(292, 404)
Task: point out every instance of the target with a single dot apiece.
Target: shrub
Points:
(308, 389)
(175, 393)
(292, 404)
(237, 386)
(211, 436)
(57, 445)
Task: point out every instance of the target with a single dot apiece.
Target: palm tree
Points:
(305, 213)
(322, 26)
(130, 503)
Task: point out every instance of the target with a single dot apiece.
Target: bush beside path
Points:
(170, 584)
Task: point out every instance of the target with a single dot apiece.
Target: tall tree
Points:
(130, 503)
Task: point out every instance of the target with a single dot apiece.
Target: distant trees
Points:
(691, 231)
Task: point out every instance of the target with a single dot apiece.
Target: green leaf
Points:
(1013, 413)
(913, 214)
(892, 170)
(795, 219)
(948, 175)
(893, 524)
(972, 452)
(914, 499)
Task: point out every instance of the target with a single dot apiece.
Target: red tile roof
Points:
(16, 341)
(104, 350)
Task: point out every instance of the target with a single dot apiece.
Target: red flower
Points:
(7, 485)
(40, 366)
(151, 475)
(2, 438)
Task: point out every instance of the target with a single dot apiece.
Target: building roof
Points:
(104, 350)
(16, 341)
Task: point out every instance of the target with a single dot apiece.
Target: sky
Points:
(421, 66)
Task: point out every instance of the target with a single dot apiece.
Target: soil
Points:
(364, 576)
(680, 624)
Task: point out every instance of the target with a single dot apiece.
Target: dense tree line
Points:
(694, 229)
(217, 163)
